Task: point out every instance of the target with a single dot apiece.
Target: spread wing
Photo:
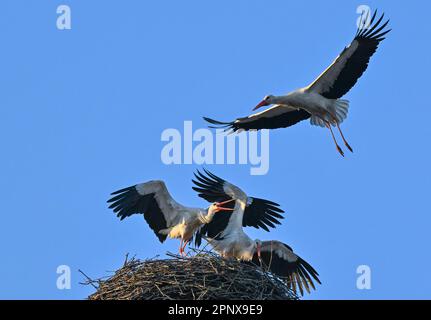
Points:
(259, 213)
(152, 199)
(349, 66)
(277, 116)
(279, 259)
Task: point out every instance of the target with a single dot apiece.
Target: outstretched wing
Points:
(349, 66)
(214, 189)
(277, 116)
(259, 213)
(152, 199)
(279, 259)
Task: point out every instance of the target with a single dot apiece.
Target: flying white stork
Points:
(320, 101)
(226, 235)
(164, 215)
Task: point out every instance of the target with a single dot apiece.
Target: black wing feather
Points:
(261, 213)
(298, 274)
(210, 188)
(128, 201)
(283, 120)
(368, 40)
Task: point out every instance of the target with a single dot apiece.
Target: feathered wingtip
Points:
(370, 30)
(208, 183)
(218, 124)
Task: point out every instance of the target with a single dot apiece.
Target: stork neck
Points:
(281, 99)
(205, 216)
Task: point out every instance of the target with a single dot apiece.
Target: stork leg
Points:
(344, 139)
(181, 247)
(184, 247)
(333, 137)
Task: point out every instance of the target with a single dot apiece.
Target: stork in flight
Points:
(164, 215)
(226, 235)
(320, 101)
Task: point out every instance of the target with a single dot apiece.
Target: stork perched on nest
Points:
(164, 215)
(320, 101)
(226, 235)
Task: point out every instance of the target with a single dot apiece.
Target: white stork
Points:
(226, 235)
(320, 101)
(164, 215)
(253, 212)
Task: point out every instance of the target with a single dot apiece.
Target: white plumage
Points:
(165, 216)
(226, 234)
(320, 101)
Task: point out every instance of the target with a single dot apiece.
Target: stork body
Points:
(273, 256)
(321, 109)
(226, 234)
(247, 211)
(321, 100)
(165, 216)
(235, 243)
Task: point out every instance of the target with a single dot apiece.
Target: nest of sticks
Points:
(204, 276)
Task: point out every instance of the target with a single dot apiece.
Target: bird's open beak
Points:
(261, 104)
(219, 204)
(223, 209)
(224, 202)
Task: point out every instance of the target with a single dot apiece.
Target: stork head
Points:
(218, 206)
(266, 101)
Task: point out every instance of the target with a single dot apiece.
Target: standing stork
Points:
(164, 215)
(320, 101)
(226, 235)
(246, 211)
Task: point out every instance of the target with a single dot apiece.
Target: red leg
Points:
(333, 137)
(342, 136)
(184, 246)
(181, 247)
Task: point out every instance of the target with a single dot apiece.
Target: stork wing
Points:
(152, 199)
(279, 259)
(212, 189)
(278, 116)
(259, 213)
(349, 66)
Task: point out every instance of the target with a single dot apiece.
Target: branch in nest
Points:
(205, 276)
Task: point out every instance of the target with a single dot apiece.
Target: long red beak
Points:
(224, 209)
(261, 104)
(224, 202)
(218, 204)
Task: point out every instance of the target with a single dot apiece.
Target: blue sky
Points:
(82, 112)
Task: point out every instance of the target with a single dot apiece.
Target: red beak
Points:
(224, 202)
(223, 209)
(261, 104)
(218, 204)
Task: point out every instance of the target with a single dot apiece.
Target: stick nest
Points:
(205, 276)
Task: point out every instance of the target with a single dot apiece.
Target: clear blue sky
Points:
(82, 112)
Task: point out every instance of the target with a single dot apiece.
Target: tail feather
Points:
(341, 108)
(316, 121)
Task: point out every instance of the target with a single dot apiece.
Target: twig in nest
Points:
(205, 276)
